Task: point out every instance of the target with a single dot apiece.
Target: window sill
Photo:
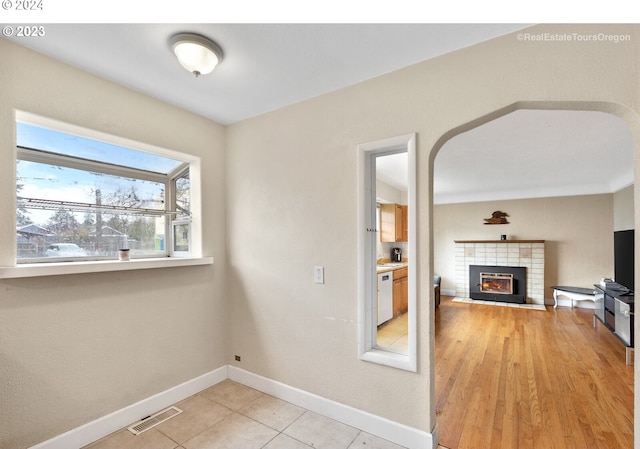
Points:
(61, 268)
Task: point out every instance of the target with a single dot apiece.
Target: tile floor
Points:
(393, 334)
(231, 415)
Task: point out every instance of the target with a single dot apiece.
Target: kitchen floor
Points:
(231, 415)
(394, 334)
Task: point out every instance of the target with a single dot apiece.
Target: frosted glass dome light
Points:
(196, 53)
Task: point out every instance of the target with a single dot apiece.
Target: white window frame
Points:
(177, 226)
(194, 257)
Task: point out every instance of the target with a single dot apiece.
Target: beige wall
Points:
(577, 230)
(390, 194)
(292, 202)
(623, 209)
(74, 348)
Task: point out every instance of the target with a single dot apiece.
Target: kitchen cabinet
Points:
(394, 223)
(400, 291)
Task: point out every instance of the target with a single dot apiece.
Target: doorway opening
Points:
(523, 162)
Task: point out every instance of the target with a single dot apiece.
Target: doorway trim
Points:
(368, 350)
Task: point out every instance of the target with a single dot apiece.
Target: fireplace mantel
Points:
(498, 241)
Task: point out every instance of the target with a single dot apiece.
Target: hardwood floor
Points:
(511, 378)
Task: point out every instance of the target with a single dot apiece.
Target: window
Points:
(81, 198)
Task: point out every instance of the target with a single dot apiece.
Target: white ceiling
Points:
(527, 154)
(269, 66)
(265, 66)
(533, 153)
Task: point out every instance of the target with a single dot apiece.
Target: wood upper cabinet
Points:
(400, 291)
(394, 223)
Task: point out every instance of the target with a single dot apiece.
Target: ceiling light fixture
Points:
(196, 53)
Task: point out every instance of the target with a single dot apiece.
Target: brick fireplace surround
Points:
(502, 253)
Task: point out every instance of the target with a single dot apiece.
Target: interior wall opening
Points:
(507, 165)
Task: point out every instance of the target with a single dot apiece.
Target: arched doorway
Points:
(631, 122)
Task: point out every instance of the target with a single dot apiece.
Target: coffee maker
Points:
(396, 254)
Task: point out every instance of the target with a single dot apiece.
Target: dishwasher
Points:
(385, 297)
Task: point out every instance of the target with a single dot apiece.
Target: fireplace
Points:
(528, 254)
(493, 283)
(498, 283)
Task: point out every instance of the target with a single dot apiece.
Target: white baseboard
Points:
(406, 436)
(447, 292)
(101, 427)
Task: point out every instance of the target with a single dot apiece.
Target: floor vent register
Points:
(153, 420)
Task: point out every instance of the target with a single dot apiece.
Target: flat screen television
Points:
(623, 242)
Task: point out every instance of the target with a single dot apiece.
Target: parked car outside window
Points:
(65, 250)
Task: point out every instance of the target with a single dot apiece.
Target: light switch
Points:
(318, 275)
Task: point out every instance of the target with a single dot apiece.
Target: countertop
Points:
(384, 267)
